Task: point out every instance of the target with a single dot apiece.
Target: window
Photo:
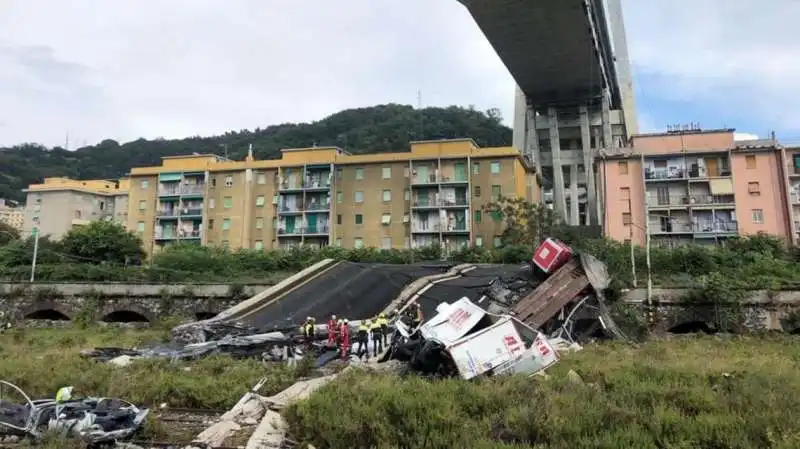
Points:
(626, 218)
(750, 160)
(259, 201)
(227, 202)
(625, 193)
(338, 242)
(275, 199)
(210, 224)
(477, 191)
(261, 179)
(753, 188)
(78, 214)
(497, 242)
(339, 197)
(386, 173)
(359, 173)
(212, 203)
(758, 216)
(259, 245)
(259, 223)
(142, 204)
(358, 243)
(407, 195)
(144, 184)
(338, 173)
(339, 219)
(495, 193)
(495, 167)
(229, 181)
(359, 219)
(479, 241)
(224, 243)
(226, 224)
(477, 216)
(623, 167)
(387, 196)
(359, 197)
(213, 182)
(386, 219)
(140, 226)
(386, 243)
(497, 216)
(476, 168)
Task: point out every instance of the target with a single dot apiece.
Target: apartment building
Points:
(431, 195)
(793, 172)
(58, 204)
(695, 186)
(12, 214)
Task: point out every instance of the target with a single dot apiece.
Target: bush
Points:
(702, 393)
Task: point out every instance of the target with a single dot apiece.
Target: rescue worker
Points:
(383, 322)
(344, 335)
(377, 337)
(309, 331)
(63, 395)
(332, 331)
(416, 317)
(363, 339)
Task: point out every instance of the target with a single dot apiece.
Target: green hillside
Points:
(383, 128)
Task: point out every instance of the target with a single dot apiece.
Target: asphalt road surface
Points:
(348, 290)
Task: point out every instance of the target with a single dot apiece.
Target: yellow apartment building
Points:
(58, 204)
(12, 214)
(431, 195)
(698, 186)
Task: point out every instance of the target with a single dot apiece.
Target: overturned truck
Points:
(509, 331)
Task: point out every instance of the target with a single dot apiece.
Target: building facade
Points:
(696, 187)
(431, 195)
(12, 214)
(58, 204)
(793, 170)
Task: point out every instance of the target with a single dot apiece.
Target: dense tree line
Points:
(383, 128)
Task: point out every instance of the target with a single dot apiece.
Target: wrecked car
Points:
(91, 420)
(464, 340)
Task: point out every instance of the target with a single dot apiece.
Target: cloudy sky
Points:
(124, 69)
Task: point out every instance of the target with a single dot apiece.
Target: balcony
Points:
(425, 179)
(719, 227)
(288, 185)
(173, 189)
(190, 234)
(317, 204)
(165, 233)
(167, 213)
(681, 172)
(304, 230)
(421, 227)
(683, 201)
(436, 204)
(192, 212)
(290, 209)
(795, 197)
(455, 179)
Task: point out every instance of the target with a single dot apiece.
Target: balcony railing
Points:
(431, 178)
(168, 213)
(455, 228)
(172, 190)
(461, 202)
(681, 173)
(304, 230)
(422, 228)
(192, 211)
(287, 185)
(311, 183)
(177, 233)
(453, 179)
(282, 208)
(688, 200)
(315, 206)
(716, 227)
(190, 234)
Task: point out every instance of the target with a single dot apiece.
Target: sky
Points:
(126, 69)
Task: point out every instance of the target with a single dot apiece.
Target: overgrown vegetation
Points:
(40, 361)
(684, 393)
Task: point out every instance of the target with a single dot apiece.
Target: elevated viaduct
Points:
(574, 98)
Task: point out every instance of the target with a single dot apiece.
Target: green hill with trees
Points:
(383, 128)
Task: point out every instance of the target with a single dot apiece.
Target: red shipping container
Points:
(551, 255)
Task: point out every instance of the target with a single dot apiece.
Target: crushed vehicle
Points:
(464, 340)
(91, 420)
(510, 328)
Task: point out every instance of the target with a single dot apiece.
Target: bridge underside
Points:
(549, 46)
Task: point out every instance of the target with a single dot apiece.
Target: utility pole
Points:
(35, 252)
(630, 240)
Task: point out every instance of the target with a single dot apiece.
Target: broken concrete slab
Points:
(298, 391)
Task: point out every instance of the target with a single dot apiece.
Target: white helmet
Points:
(345, 321)
(333, 317)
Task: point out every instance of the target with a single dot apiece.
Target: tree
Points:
(524, 223)
(7, 233)
(103, 241)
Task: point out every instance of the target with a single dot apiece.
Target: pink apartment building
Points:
(699, 186)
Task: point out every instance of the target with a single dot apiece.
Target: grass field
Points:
(679, 394)
(736, 393)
